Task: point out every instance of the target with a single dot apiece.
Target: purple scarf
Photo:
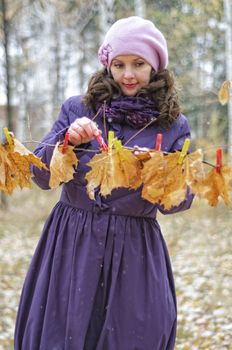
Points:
(134, 111)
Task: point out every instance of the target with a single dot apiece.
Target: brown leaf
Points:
(62, 166)
(224, 92)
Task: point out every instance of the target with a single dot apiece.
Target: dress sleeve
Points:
(182, 133)
(46, 147)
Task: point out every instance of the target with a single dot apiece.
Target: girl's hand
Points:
(83, 130)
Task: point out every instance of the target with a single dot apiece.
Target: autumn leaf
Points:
(15, 166)
(7, 181)
(120, 168)
(152, 178)
(224, 92)
(194, 172)
(175, 185)
(21, 159)
(164, 180)
(62, 166)
(217, 185)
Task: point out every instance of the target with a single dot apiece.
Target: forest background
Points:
(48, 51)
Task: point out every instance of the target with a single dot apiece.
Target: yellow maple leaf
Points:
(224, 92)
(21, 159)
(119, 168)
(152, 178)
(15, 161)
(62, 166)
(164, 180)
(175, 185)
(7, 181)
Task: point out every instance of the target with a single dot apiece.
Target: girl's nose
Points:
(128, 73)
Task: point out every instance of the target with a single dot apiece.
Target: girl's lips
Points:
(130, 86)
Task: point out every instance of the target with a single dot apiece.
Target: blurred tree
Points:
(140, 8)
(196, 48)
(54, 51)
(6, 18)
(228, 20)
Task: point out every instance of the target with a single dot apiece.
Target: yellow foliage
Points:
(62, 166)
(224, 92)
(119, 168)
(15, 166)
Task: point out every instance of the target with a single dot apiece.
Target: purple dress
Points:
(100, 278)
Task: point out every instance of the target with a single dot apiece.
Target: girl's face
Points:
(131, 73)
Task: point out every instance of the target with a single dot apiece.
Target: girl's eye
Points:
(118, 65)
(139, 64)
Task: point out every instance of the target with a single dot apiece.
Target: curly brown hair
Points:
(161, 89)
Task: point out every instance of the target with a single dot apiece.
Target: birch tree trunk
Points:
(6, 38)
(228, 18)
(107, 15)
(140, 8)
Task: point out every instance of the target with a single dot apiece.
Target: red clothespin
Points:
(102, 143)
(218, 160)
(65, 144)
(159, 139)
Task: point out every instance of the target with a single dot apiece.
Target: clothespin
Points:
(118, 147)
(65, 144)
(118, 144)
(110, 141)
(184, 151)
(9, 138)
(218, 160)
(102, 143)
(159, 139)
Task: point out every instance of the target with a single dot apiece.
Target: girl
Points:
(101, 278)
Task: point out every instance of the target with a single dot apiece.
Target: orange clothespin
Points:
(184, 151)
(102, 143)
(65, 144)
(9, 138)
(159, 139)
(218, 160)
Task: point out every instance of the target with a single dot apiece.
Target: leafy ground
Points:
(200, 245)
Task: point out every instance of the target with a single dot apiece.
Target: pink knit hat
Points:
(134, 36)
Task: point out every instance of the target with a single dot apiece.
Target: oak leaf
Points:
(62, 165)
